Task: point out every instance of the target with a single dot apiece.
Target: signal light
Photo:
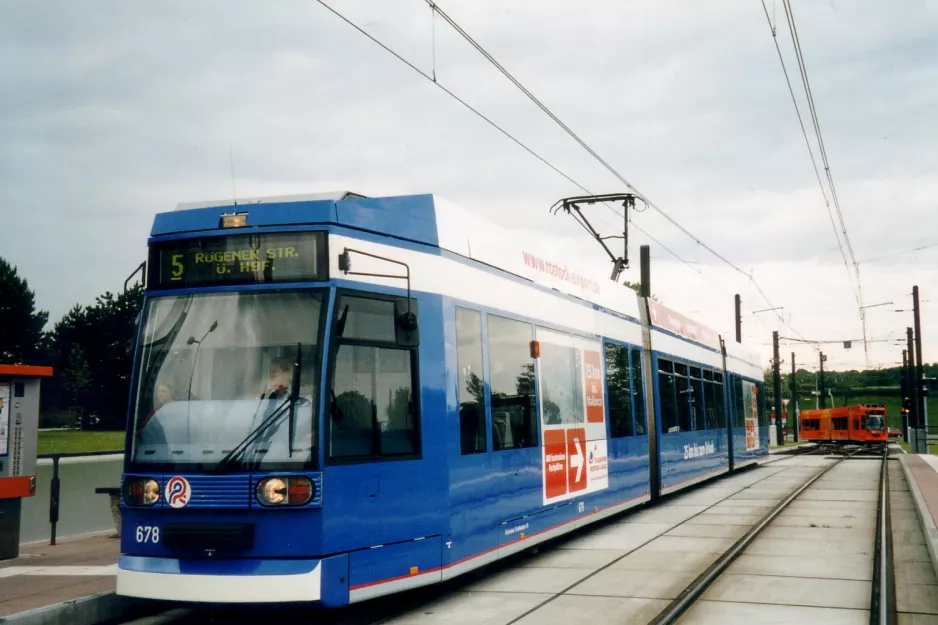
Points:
(234, 220)
(294, 490)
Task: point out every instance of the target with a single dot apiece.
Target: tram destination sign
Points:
(239, 259)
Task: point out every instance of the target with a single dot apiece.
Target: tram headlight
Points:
(142, 491)
(294, 490)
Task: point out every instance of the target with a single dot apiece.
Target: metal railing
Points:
(55, 483)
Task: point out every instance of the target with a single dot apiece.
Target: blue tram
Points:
(338, 397)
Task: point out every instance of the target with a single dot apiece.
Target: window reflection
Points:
(511, 370)
(471, 390)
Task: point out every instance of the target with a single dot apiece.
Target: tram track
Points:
(882, 591)
(554, 596)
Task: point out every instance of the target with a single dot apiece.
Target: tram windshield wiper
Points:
(294, 396)
(253, 435)
(289, 406)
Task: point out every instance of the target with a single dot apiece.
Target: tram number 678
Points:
(148, 534)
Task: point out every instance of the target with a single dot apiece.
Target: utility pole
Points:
(739, 319)
(794, 401)
(913, 392)
(920, 376)
(776, 370)
(904, 394)
(644, 256)
(823, 393)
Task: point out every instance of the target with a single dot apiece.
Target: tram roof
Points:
(431, 220)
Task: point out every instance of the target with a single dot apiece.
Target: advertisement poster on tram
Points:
(4, 417)
(751, 408)
(572, 398)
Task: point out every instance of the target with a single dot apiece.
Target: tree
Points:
(93, 349)
(76, 376)
(21, 338)
(637, 287)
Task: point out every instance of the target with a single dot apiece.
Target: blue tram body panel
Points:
(690, 456)
(386, 523)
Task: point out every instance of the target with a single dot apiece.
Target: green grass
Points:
(69, 441)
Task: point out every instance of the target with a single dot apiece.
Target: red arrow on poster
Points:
(576, 460)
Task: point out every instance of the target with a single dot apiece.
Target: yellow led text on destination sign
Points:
(243, 261)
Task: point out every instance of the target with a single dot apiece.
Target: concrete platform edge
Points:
(102, 607)
(924, 516)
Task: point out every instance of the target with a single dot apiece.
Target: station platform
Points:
(44, 577)
(921, 473)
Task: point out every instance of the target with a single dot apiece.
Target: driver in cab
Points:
(279, 379)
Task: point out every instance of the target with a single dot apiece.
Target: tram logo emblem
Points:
(178, 492)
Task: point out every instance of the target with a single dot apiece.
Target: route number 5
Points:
(178, 267)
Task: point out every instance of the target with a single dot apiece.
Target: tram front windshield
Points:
(874, 422)
(216, 381)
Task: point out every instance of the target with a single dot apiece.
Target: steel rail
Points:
(882, 592)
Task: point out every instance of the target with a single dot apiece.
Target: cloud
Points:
(112, 112)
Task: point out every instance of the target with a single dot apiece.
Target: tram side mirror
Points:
(345, 263)
(406, 327)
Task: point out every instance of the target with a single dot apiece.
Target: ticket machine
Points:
(19, 432)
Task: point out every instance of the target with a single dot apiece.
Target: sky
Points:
(113, 111)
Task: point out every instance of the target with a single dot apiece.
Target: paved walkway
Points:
(44, 575)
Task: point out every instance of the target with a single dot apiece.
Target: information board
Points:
(239, 259)
(4, 418)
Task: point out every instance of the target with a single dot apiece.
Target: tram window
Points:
(684, 418)
(638, 393)
(620, 394)
(373, 409)
(471, 387)
(716, 415)
(667, 389)
(739, 404)
(365, 319)
(708, 375)
(511, 379)
(698, 403)
(373, 413)
(695, 372)
(718, 377)
(560, 379)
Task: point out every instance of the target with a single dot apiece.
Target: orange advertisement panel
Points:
(555, 463)
(593, 382)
